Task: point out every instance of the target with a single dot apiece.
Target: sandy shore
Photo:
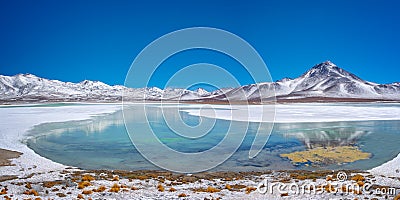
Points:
(6, 156)
(29, 175)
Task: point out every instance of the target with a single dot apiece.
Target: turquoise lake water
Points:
(103, 142)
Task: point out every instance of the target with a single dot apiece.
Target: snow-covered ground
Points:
(16, 121)
(302, 112)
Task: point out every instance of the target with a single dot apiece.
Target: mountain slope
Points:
(325, 80)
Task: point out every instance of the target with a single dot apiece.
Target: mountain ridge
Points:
(322, 81)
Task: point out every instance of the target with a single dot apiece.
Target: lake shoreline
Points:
(72, 182)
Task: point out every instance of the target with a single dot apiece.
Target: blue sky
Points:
(98, 40)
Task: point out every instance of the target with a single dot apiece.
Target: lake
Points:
(104, 143)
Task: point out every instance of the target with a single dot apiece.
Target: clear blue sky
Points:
(72, 40)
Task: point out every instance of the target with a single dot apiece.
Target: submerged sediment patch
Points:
(327, 155)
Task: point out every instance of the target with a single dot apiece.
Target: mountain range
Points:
(323, 82)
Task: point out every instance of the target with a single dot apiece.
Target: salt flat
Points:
(301, 112)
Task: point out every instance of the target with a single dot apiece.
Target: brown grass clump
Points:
(250, 189)
(50, 184)
(358, 177)
(172, 189)
(134, 188)
(7, 198)
(229, 187)
(31, 192)
(160, 188)
(87, 192)
(100, 189)
(3, 191)
(80, 196)
(83, 184)
(329, 178)
(115, 178)
(87, 178)
(212, 189)
(182, 195)
(397, 197)
(61, 195)
(115, 188)
(35, 198)
(237, 187)
(28, 186)
(209, 189)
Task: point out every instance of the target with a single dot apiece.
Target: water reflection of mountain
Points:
(94, 125)
(323, 136)
(98, 124)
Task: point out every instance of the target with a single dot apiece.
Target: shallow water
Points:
(103, 142)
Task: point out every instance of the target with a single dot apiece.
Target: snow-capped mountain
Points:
(328, 80)
(28, 87)
(325, 80)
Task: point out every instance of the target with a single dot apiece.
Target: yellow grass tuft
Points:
(83, 184)
(115, 178)
(100, 189)
(172, 189)
(358, 177)
(3, 191)
(160, 188)
(182, 195)
(134, 188)
(31, 192)
(87, 192)
(212, 189)
(115, 188)
(250, 189)
(87, 177)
